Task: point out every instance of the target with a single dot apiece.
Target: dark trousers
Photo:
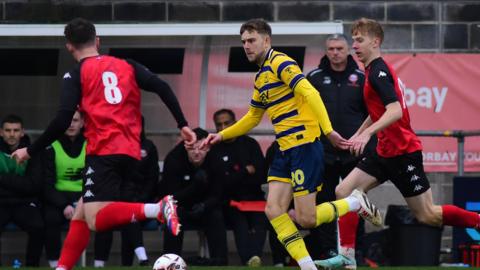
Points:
(250, 231)
(212, 223)
(29, 218)
(54, 221)
(132, 238)
(103, 244)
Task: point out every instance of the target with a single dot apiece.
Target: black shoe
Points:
(144, 263)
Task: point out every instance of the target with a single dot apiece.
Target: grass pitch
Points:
(244, 268)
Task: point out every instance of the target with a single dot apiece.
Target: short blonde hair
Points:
(368, 27)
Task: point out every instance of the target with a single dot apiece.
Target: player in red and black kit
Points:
(398, 156)
(107, 91)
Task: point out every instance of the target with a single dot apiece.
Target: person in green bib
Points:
(20, 188)
(63, 162)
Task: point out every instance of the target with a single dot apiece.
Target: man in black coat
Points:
(20, 188)
(340, 83)
(240, 167)
(187, 175)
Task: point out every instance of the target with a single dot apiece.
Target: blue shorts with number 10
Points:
(301, 166)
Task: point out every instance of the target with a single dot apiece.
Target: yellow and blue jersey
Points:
(283, 92)
(298, 116)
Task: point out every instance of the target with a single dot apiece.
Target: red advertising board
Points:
(442, 93)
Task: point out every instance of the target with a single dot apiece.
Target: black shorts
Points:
(404, 171)
(108, 178)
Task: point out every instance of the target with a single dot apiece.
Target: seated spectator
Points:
(63, 163)
(240, 167)
(143, 190)
(187, 176)
(20, 188)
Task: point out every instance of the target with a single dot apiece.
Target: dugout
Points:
(203, 63)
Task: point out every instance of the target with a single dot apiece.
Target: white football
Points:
(170, 261)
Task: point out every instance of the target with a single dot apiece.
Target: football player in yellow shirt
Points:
(297, 114)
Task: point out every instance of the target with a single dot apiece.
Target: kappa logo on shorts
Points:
(133, 219)
(417, 188)
(89, 171)
(89, 182)
(88, 194)
(414, 178)
(410, 168)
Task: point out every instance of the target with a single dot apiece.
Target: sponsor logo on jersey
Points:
(327, 80)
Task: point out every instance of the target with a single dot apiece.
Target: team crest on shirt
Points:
(264, 97)
(327, 80)
(353, 78)
(143, 153)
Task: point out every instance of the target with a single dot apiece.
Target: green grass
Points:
(245, 268)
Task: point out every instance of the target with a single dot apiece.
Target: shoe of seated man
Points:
(168, 214)
(368, 210)
(339, 261)
(254, 261)
(143, 263)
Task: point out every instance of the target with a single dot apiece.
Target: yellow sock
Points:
(328, 211)
(290, 237)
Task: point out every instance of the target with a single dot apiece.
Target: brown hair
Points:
(259, 25)
(369, 27)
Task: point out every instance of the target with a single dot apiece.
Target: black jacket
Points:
(148, 172)
(16, 189)
(342, 93)
(230, 160)
(189, 185)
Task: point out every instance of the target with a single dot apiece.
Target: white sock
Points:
(151, 210)
(98, 263)
(353, 203)
(53, 263)
(306, 263)
(60, 268)
(141, 253)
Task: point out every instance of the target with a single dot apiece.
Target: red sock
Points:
(347, 226)
(118, 213)
(458, 217)
(74, 244)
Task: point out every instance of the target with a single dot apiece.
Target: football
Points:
(169, 262)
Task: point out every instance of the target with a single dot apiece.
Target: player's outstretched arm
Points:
(393, 113)
(212, 138)
(338, 141)
(151, 83)
(188, 136)
(366, 123)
